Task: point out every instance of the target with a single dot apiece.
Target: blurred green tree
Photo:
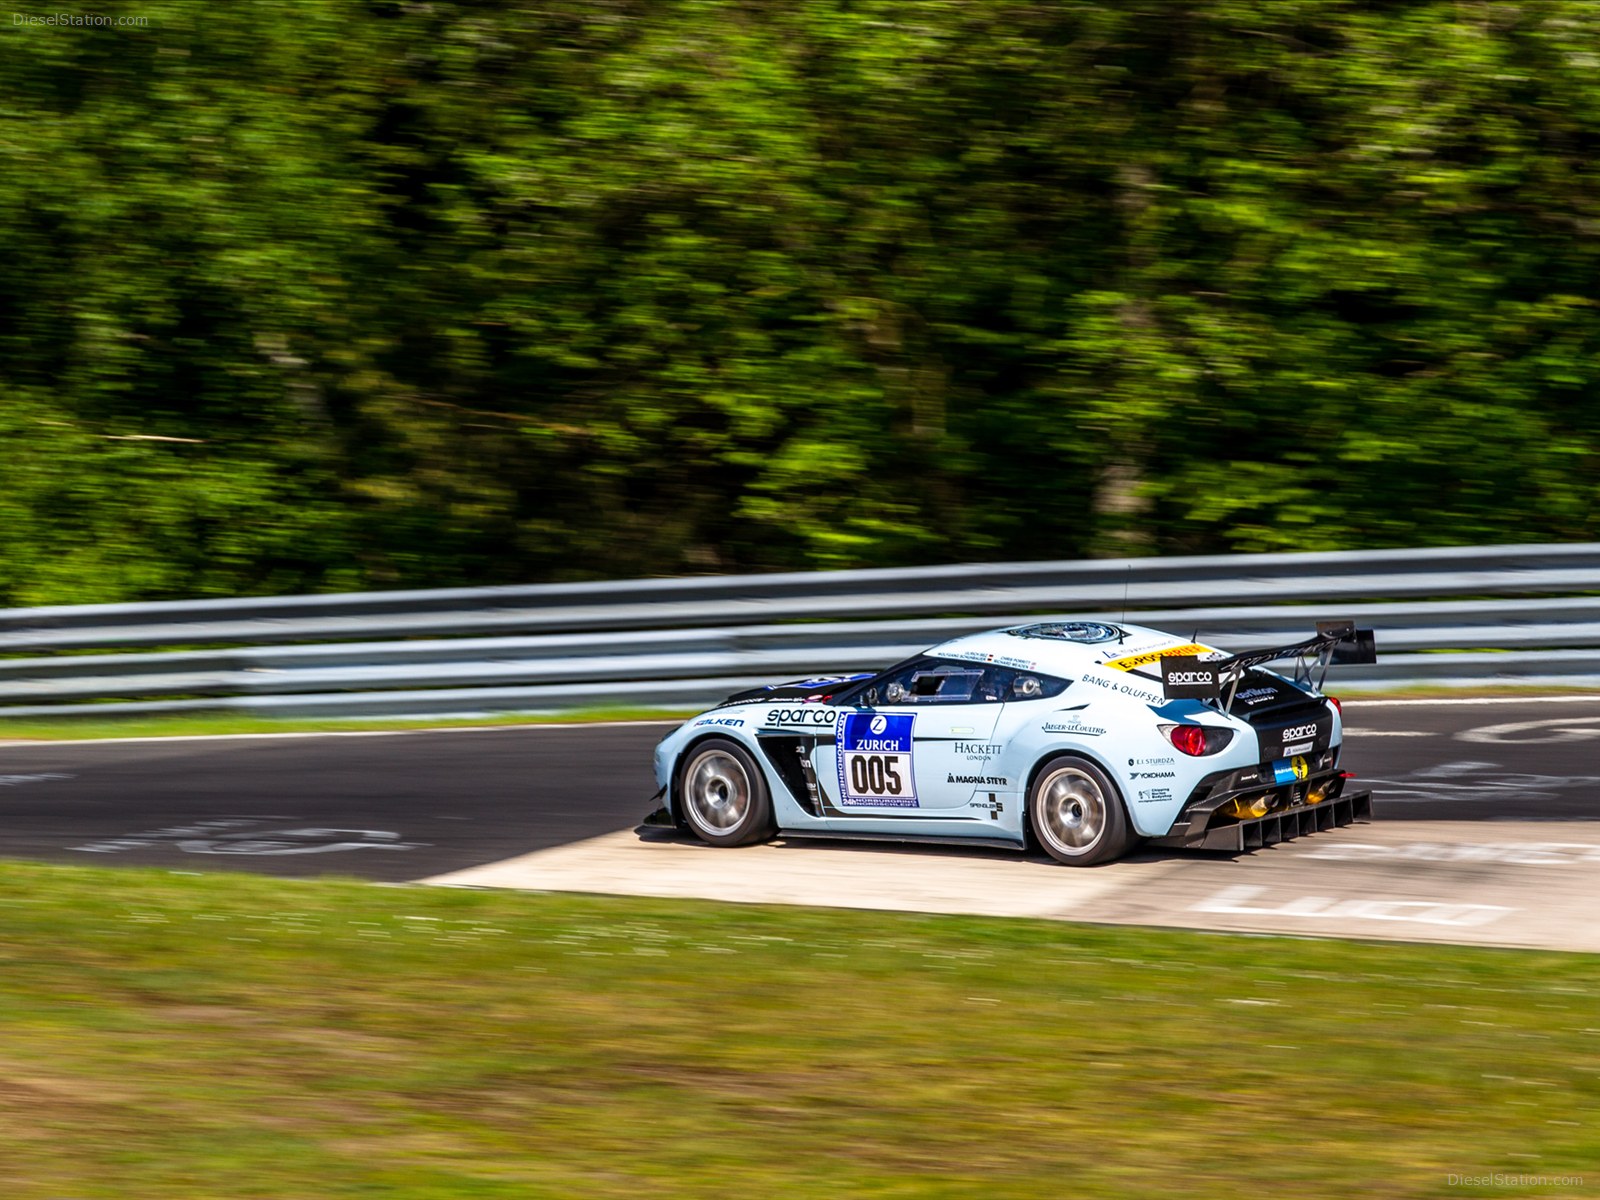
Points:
(330, 294)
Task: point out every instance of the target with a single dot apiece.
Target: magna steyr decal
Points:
(875, 760)
(980, 780)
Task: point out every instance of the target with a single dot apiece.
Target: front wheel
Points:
(724, 796)
(1077, 814)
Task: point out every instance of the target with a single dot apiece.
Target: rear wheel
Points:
(1077, 814)
(724, 796)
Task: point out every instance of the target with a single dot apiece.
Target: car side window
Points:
(1026, 685)
(932, 681)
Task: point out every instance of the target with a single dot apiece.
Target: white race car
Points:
(1084, 735)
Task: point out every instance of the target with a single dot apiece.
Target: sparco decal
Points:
(1296, 732)
(802, 716)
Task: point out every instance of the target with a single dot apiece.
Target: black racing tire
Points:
(723, 795)
(1076, 813)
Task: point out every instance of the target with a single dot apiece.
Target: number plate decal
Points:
(875, 760)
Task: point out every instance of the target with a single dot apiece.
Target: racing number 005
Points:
(875, 760)
(876, 775)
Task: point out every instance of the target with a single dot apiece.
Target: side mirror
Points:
(896, 692)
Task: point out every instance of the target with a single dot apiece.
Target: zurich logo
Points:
(879, 724)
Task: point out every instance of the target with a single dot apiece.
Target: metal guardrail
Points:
(686, 642)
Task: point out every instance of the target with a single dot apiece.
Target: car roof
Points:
(1066, 648)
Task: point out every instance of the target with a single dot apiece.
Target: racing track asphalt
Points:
(405, 806)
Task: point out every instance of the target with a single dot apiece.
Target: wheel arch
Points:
(706, 735)
(1075, 751)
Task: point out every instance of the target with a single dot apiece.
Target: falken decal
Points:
(875, 760)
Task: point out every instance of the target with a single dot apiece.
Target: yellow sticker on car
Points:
(1301, 767)
(1153, 656)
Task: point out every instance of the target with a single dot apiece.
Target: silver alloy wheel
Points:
(716, 791)
(1071, 811)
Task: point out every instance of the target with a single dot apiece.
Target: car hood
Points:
(815, 688)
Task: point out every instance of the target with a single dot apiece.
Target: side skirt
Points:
(833, 835)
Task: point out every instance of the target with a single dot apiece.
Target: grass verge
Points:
(173, 1035)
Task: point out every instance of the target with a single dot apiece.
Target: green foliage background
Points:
(457, 292)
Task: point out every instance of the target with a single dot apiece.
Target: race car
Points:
(1083, 737)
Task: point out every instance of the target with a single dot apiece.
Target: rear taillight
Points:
(1196, 740)
(1337, 707)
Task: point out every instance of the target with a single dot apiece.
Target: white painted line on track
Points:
(1364, 702)
(1366, 733)
(1242, 899)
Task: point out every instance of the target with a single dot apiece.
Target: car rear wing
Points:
(1189, 677)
